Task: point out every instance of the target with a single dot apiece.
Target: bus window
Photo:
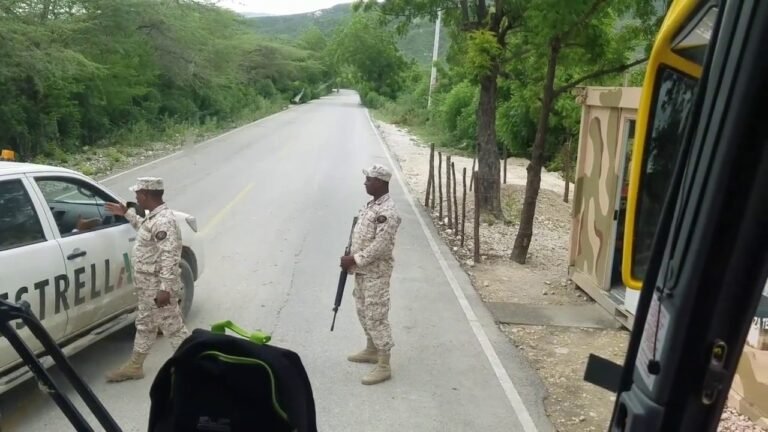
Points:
(692, 45)
(673, 99)
(674, 69)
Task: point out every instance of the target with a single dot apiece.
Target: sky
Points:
(279, 7)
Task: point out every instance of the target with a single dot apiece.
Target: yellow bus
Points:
(673, 71)
(694, 240)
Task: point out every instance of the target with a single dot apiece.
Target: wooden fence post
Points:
(567, 170)
(433, 178)
(472, 179)
(448, 190)
(464, 206)
(477, 222)
(430, 175)
(455, 202)
(440, 184)
(506, 156)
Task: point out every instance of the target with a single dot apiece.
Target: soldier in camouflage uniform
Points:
(371, 261)
(157, 277)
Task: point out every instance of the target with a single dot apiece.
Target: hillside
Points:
(417, 44)
(128, 73)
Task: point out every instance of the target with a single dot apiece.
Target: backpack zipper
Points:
(251, 361)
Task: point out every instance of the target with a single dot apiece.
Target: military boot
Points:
(132, 370)
(381, 372)
(368, 355)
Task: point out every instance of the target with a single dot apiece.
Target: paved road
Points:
(275, 200)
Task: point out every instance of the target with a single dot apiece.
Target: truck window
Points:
(19, 222)
(76, 206)
(674, 96)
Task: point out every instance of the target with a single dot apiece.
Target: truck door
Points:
(30, 261)
(95, 245)
(699, 222)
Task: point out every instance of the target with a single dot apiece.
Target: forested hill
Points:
(82, 73)
(416, 44)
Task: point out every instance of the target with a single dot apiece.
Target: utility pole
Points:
(433, 78)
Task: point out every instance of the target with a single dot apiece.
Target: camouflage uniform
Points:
(156, 263)
(373, 241)
(156, 257)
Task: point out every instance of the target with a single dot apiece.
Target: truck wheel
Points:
(188, 288)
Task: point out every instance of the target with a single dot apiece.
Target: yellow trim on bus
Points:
(678, 16)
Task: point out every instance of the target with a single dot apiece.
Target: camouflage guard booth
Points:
(597, 230)
(599, 202)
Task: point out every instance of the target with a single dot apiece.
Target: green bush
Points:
(466, 126)
(266, 89)
(454, 105)
(372, 100)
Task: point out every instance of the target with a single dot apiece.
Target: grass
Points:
(114, 155)
(382, 114)
(425, 131)
(142, 138)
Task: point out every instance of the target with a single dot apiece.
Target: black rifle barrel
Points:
(342, 276)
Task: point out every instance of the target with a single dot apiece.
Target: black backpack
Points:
(220, 383)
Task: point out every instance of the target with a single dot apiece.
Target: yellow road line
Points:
(220, 215)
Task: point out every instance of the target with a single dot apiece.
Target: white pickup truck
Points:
(71, 260)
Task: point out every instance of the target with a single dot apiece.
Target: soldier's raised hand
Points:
(116, 209)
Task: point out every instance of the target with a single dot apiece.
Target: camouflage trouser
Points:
(150, 317)
(371, 295)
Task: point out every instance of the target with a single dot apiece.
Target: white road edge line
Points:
(208, 141)
(139, 167)
(523, 415)
(200, 144)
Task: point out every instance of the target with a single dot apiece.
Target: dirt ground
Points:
(558, 354)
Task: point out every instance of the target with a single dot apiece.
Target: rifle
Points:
(343, 276)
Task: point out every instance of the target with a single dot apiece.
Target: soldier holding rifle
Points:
(371, 261)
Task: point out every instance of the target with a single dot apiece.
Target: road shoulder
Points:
(513, 371)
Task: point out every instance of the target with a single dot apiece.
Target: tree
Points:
(313, 40)
(77, 73)
(489, 23)
(369, 52)
(595, 37)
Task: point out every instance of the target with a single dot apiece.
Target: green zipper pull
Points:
(257, 337)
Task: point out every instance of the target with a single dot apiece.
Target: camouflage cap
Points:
(147, 183)
(378, 171)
